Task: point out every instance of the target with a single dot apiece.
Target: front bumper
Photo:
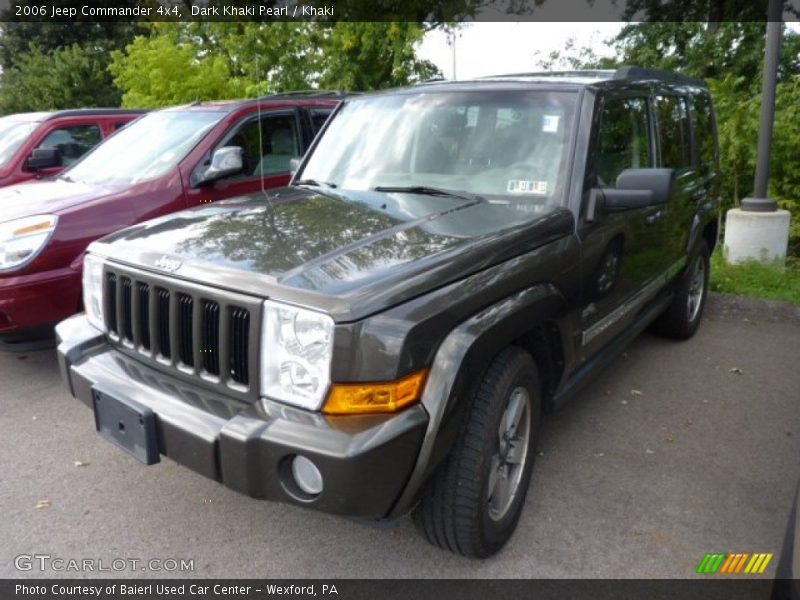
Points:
(37, 301)
(365, 461)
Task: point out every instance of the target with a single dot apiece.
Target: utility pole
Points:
(759, 230)
(760, 202)
(452, 34)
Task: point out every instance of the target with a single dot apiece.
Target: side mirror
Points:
(44, 158)
(636, 188)
(294, 165)
(225, 161)
(658, 181)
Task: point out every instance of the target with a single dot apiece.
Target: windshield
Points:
(145, 149)
(13, 134)
(504, 145)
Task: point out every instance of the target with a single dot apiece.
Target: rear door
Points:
(269, 141)
(676, 150)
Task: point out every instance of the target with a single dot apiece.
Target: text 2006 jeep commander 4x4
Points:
(450, 260)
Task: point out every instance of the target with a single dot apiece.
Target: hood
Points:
(41, 197)
(300, 245)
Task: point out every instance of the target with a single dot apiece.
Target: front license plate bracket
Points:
(128, 425)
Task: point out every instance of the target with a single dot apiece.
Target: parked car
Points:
(166, 161)
(42, 144)
(383, 335)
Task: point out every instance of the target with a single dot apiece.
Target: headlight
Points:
(296, 352)
(22, 239)
(93, 290)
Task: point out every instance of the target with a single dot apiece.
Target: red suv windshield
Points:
(13, 134)
(145, 149)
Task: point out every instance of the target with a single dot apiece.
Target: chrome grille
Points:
(193, 330)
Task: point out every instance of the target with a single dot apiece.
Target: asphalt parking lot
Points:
(676, 450)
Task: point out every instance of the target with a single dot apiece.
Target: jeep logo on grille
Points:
(168, 264)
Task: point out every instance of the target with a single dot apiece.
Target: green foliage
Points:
(759, 280)
(160, 71)
(17, 37)
(383, 52)
(179, 62)
(70, 77)
(50, 65)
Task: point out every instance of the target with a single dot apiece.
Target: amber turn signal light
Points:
(367, 398)
(35, 228)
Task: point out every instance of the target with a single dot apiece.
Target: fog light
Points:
(306, 475)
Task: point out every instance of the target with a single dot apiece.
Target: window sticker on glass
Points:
(521, 186)
(550, 123)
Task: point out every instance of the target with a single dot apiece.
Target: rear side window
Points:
(674, 132)
(623, 139)
(704, 133)
(73, 142)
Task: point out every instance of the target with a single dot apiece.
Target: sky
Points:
(496, 48)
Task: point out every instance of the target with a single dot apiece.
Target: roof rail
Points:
(77, 112)
(639, 73)
(307, 94)
(598, 73)
(629, 73)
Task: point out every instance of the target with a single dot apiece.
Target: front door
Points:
(622, 251)
(269, 141)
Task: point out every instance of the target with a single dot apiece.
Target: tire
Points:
(682, 317)
(457, 511)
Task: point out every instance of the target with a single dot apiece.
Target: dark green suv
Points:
(383, 335)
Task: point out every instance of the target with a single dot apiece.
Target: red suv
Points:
(40, 144)
(166, 161)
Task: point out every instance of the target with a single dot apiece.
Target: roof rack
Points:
(77, 112)
(640, 73)
(307, 94)
(627, 73)
(591, 73)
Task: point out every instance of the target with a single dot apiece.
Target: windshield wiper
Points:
(314, 183)
(426, 190)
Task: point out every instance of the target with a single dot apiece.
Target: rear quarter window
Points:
(318, 117)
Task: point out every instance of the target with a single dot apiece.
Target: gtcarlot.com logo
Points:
(736, 563)
(47, 562)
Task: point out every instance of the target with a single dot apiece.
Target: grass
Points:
(758, 280)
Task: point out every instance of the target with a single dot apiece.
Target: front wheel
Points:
(473, 503)
(682, 317)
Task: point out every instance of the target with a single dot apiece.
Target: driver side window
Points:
(268, 145)
(623, 139)
(73, 141)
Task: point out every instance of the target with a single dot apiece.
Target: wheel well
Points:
(544, 344)
(710, 235)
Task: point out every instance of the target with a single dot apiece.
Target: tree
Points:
(179, 62)
(70, 77)
(370, 56)
(17, 37)
(53, 64)
(161, 71)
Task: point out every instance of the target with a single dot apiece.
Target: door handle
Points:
(655, 217)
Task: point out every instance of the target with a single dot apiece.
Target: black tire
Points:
(681, 319)
(456, 511)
